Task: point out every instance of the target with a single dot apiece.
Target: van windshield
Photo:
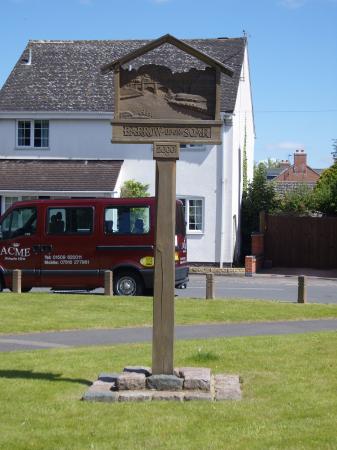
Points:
(20, 222)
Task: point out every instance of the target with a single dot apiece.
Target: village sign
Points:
(153, 104)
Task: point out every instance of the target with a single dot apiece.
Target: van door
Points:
(126, 247)
(20, 245)
(69, 259)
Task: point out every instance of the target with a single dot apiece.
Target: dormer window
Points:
(33, 133)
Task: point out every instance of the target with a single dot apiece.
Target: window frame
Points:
(186, 200)
(69, 233)
(131, 206)
(32, 134)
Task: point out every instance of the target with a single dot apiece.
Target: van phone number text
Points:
(65, 259)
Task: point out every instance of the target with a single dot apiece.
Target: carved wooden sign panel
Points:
(154, 104)
(154, 92)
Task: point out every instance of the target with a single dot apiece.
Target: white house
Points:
(55, 132)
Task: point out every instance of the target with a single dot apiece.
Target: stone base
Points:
(186, 384)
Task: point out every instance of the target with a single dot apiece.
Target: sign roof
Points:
(167, 38)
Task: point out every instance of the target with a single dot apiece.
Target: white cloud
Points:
(285, 145)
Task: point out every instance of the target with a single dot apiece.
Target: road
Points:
(65, 339)
(264, 287)
(319, 290)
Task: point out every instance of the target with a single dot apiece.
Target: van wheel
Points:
(128, 283)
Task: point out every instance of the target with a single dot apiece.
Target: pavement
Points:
(296, 271)
(273, 272)
(66, 339)
(263, 287)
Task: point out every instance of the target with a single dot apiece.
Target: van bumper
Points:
(180, 278)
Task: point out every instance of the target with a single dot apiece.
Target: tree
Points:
(271, 163)
(300, 201)
(326, 191)
(260, 196)
(133, 188)
(334, 146)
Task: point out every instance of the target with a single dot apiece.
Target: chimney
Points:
(284, 164)
(300, 161)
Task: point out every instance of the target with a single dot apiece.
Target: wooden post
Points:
(108, 283)
(16, 282)
(209, 286)
(302, 290)
(164, 272)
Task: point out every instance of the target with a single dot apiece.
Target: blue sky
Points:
(292, 48)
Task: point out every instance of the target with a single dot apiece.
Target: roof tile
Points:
(65, 75)
(58, 175)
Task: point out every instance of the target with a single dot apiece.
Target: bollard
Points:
(16, 282)
(302, 290)
(209, 286)
(108, 283)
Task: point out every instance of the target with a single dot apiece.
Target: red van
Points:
(68, 244)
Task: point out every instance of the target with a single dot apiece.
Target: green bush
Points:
(325, 192)
(133, 188)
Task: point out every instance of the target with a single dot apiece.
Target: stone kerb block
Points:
(131, 381)
(108, 377)
(198, 395)
(177, 396)
(147, 371)
(196, 378)
(102, 386)
(100, 396)
(164, 382)
(227, 387)
(135, 396)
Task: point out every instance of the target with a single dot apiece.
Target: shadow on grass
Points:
(30, 375)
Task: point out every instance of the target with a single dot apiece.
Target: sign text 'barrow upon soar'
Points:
(162, 132)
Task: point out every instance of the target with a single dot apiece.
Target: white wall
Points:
(243, 124)
(196, 177)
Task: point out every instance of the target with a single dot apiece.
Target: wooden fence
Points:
(292, 241)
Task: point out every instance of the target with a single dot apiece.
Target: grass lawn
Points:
(46, 312)
(289, 398)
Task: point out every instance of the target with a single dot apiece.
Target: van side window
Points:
(20, 222)
(70, 220)
(127, 220)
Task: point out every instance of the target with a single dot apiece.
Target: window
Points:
(127, 220)
(70, 220)
(20, 222)
(193, 210)
(8, 201)
(33, 133)
(192, 146)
